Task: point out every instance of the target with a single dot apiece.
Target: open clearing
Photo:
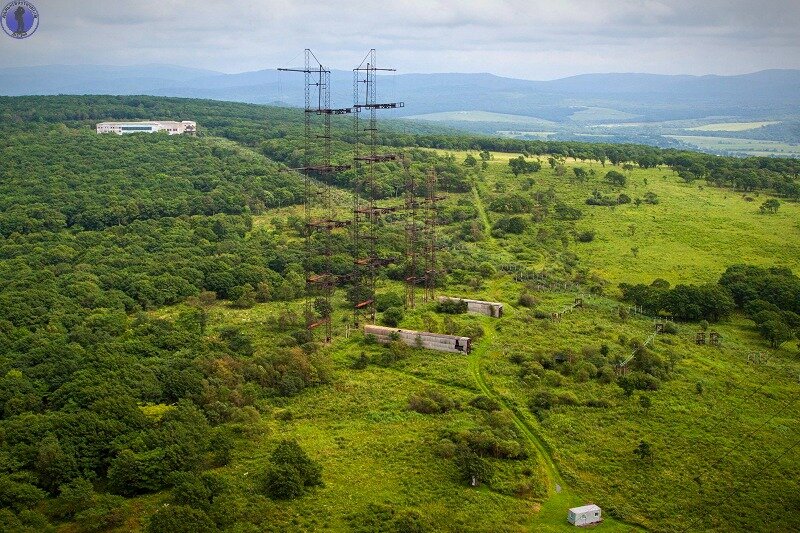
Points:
(734, 126)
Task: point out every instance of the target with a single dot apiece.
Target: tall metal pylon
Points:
(366, 212)
(319, 210)
(431, 221)
(412, 236)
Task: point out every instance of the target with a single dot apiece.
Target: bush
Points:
(74, 497)
(452, 306)
(283, 482)
(585, 236)
(526, 299)
(392, 316)
(106, 512)
(607, 374)
(179, 519)
(471, 467)
(543, 399)
(430, 401)
(670, 328)
(291, 472)
(616, 178)
(387, 300)
(484, 403)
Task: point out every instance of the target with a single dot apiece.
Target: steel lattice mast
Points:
(319, 211)
(431, 220)
(366, 212)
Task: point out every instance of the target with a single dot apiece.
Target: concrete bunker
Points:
(422, 339)
(480, 307)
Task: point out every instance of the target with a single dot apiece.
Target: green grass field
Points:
(708, 443)
(734, 126)
(752, 147)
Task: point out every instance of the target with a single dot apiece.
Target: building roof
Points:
(584, 509)
(159, 122)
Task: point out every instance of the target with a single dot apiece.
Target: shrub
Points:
(291, 472)
(616, 178)
(485, 403)
(451, 307)
(670, 328)
(387, 300)
(585, 236)
(74, 497)
(543, 399)
(526, 299)
(430, 401)
(607, 374)
(179, 519)
(471, 467)
(393, 316)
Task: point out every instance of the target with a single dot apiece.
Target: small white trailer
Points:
(584, 515)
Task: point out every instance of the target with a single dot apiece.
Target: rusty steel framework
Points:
(431, 220)
(412, 277)
(366, 212)
(319, 210)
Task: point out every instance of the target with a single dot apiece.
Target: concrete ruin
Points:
(421, 339)
(478, 307)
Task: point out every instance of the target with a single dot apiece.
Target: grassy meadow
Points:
(712, 425)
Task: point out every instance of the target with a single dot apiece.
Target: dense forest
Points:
(277, 133)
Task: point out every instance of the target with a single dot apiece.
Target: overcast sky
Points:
(534, 39)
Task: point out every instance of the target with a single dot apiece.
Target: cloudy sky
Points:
(534, 39)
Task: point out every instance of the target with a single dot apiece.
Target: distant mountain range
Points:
(646, 96)
(647, 108)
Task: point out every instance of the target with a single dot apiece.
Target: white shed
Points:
(584, 515)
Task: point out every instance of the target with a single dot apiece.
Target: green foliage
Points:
(179, 519)
(451, 306)
(615, 178)
(291, 472)
(472, 469)
(511, 204)
(430, 401)
(386, 300)
(521, 166)
(770, 206)
(485, 403)
(644, 451)
(526, 299)
(686, 302)
(74, 497)
(392, 316)
(516, 224)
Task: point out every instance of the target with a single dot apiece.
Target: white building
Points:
(150, 126)
(422, 339)
(492, 309)
(585, 515)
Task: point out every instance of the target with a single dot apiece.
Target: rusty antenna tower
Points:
(366, 213)
(431, 219)
(412, 237)
(318, 207)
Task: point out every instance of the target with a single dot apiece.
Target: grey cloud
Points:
(525, 38)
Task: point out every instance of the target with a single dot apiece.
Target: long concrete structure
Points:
(492, 309)
(424, 339)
